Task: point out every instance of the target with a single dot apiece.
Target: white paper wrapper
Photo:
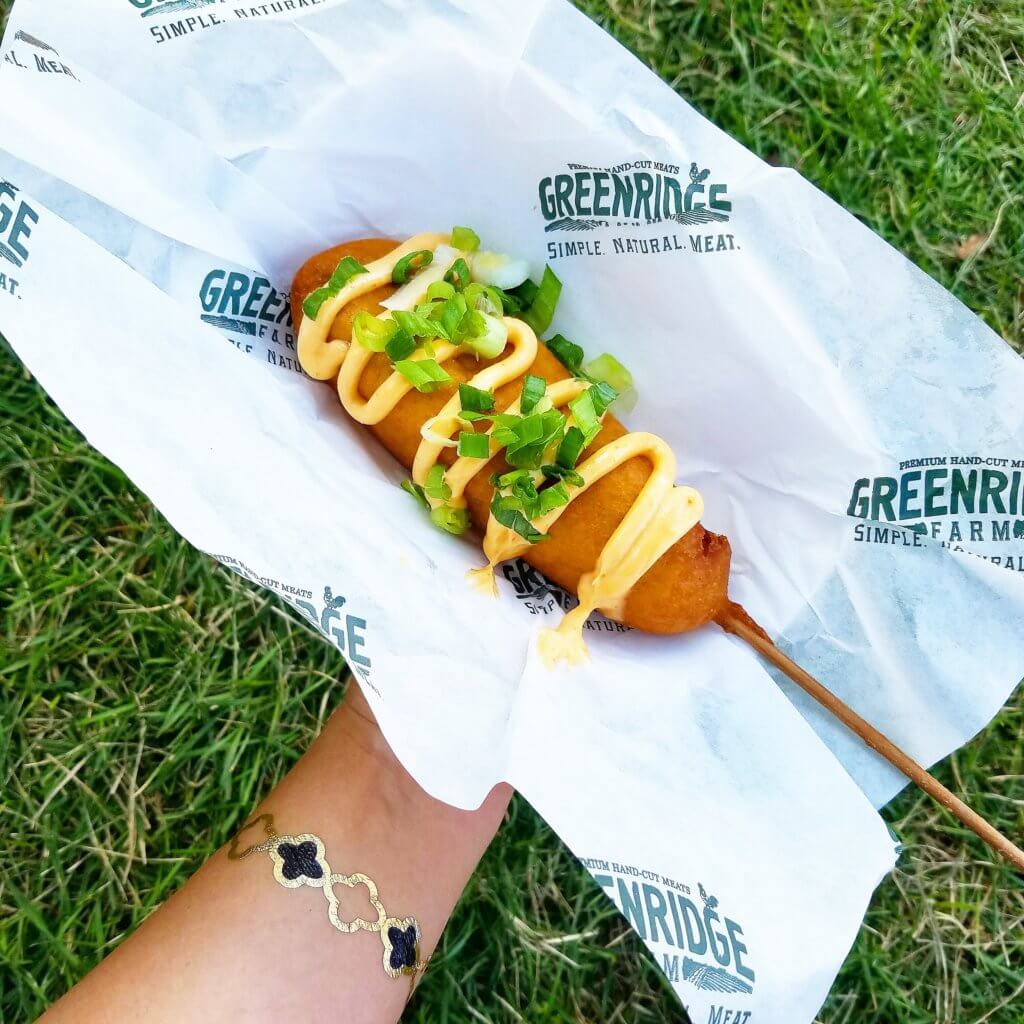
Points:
(164, 200)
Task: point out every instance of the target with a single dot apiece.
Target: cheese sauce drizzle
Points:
(661, 514)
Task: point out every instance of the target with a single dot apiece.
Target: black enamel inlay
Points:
(403, 947)
(299, 859)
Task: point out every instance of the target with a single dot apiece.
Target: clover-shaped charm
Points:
(300, 860)
(359, 924)
(401, 939)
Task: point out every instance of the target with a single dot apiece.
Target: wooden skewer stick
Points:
(736, 621)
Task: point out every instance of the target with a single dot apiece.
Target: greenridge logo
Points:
(149, 8)
(345, 631)
(234, 301)
(950, 499)
(643, 192)
(711, 952)
(539, 596)
(17, 219)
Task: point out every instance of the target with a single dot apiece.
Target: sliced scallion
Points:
(534, 389)
(508, 512)
(571, 448)
(567, 352)
(458, 274)
(525, 293)
(475, 399)
(451, 520)
(608, 369)
(440, 290)
(585, 415)
(371, 331)
(503, 480)
(490, 335)
(602, 394)
(346, 269)
(499, 270)
(400, 345)
(416, 491)
(465, 239)
(556, 472)
(411, 263)
(542, 309)
(435, 485)
(314, 300)
(418, 325)
(425, 375)
(473, 445)
(484, 298)
(553, 497)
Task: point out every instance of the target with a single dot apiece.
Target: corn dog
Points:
(686, 585)
(620, 533)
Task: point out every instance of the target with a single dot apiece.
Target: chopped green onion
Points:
(314, 300)
(555, 472)
(424, 374)
(346, 269)
(436, 486)
(416, 491)
(571, 448)
(344, 272)
(490, 335)
(465, 239)
(474, 417)
(400, 345)
(510, 304)
(440, 290)
(371, 332)
(626, 402)
(499, 270)
(452, 314)
(542, 309)
(608, 369)
(524, 487)
(417, 325)
(473, 445)
(451, 520)
(504, 435)
(410, 264)
(458, 274)
(475, 399)
(553, 497)
(567, 352)
(503, 480)
(526, 441)
(508, 512)
(525, 293)
(586, 415)
(534, 389)
(602, 395)
(484, 298)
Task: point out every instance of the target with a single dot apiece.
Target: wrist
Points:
(372, 774)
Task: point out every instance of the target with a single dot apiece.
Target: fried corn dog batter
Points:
(628, 542)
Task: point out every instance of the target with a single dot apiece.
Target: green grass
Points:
(147, 696)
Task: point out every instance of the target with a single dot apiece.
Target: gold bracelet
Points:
(301, 860)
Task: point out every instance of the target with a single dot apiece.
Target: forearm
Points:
(233, 944)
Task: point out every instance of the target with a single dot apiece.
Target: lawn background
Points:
(147, 696)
